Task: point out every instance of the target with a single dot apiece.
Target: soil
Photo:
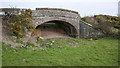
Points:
(50, 32)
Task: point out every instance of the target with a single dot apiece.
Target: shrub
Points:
(83, 19)
(107, 24)
(19, 22)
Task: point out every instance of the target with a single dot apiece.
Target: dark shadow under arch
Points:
(61, 27)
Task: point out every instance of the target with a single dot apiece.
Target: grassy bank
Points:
(64, 52)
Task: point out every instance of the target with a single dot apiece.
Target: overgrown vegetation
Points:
(19, 22)
(109, 25)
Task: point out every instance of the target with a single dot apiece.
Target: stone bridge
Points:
(62, 16)
(69, 20)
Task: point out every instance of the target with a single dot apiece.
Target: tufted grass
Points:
(70, 52)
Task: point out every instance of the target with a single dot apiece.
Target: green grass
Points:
(102, 52)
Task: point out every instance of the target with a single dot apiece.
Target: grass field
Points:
(64, 52)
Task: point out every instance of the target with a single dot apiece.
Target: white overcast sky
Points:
(84, 7)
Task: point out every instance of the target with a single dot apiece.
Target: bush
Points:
(19, 22)
(107, 24)
(83, 19)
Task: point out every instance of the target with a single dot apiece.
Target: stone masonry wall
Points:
(87, 31)
(42, 15)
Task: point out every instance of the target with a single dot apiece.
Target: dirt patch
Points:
(50, 32)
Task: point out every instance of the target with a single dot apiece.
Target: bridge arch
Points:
(68, 28)
(69, 17)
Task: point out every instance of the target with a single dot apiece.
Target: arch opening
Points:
(55, 29)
